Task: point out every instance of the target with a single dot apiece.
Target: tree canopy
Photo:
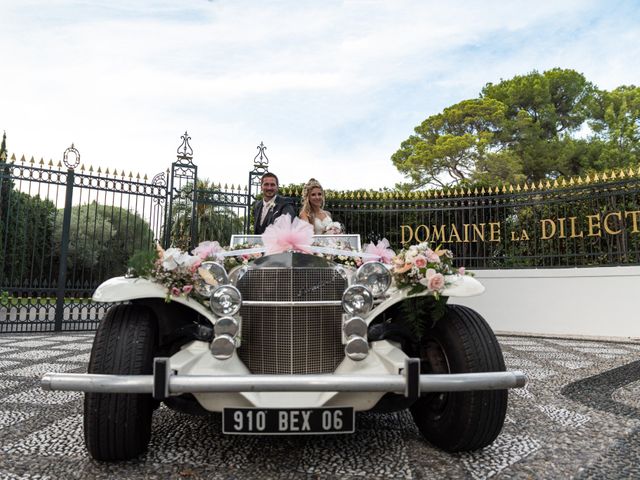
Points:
(530, 127)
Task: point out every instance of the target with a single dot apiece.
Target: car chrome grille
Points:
(286, 339)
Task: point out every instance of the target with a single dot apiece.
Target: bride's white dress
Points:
(320, 225)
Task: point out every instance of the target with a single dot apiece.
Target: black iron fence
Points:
(595, 222)
(64, 229)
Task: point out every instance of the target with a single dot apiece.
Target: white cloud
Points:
(331, 87)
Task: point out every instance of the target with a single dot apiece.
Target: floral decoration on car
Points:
(419, 268)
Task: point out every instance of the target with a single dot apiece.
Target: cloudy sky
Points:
(330, 87)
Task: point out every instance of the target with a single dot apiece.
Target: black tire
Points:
(117, 426)
(461, 342)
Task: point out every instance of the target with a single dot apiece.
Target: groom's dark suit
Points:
(282, 206)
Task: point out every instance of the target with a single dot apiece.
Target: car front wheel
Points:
(117, 426)
(461, 342)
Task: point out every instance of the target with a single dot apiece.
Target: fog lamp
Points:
(355, 326)
(357, 300)
(375, 276)
(222, 347)
(356, 348)
(225, 300)
(210, 276)
(226, 326)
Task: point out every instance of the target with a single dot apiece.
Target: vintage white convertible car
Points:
(292, 344)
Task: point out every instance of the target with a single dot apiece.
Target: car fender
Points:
(121, 289)
(457, 286)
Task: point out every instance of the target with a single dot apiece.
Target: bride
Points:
(312, 203)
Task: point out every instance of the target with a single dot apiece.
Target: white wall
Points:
(598, 301)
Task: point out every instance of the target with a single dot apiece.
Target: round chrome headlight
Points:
(225, 300)
(355, 326)
(211, 276)
(226, 326)
(356, 348)
(222, 347)
(375, 276)
(357, 300)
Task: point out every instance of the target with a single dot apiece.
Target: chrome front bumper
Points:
(164, 383)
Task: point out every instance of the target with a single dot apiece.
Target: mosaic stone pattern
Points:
(546, 434)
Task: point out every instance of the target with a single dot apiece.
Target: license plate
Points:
(288, 421)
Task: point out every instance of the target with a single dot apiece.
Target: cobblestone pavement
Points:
(579, 417)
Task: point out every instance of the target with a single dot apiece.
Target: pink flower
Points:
(358, 261)
(196, 265)
(175, 291)
(461, 271)
(187, 289)
(436, 282)
(382, 250)
(432, 256)
(420, 261)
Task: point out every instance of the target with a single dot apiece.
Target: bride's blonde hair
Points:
(306, 206)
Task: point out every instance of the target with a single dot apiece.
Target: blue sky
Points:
(331, 87)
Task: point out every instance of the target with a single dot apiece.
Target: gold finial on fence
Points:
(563, 183)
(518, 189)
(604, 176)
(82, 167)
(115, 172)
(138, 176)
(50, 163)
(90, 168)
(555, 183)
(59, 164)
(99, 171)
(106, 172)
(13, 158)
(145, 177)
(638, 171)
(510, 188)
(41, 162)
(571, 182)
(621, 173)
(32, 161)
(22, 159)
(130, 174)
(630, 172)
(526, 187)
(596, 177)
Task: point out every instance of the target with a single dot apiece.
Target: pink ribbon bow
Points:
(382, 250)
(286, 234)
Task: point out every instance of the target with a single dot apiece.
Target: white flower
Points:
(411, 254)
(175, 258)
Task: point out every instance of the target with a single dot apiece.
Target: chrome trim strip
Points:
(289, 303)
(457, 382)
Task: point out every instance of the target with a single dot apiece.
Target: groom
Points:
(271, 206)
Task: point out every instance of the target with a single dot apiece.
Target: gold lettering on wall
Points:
(595, 225)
